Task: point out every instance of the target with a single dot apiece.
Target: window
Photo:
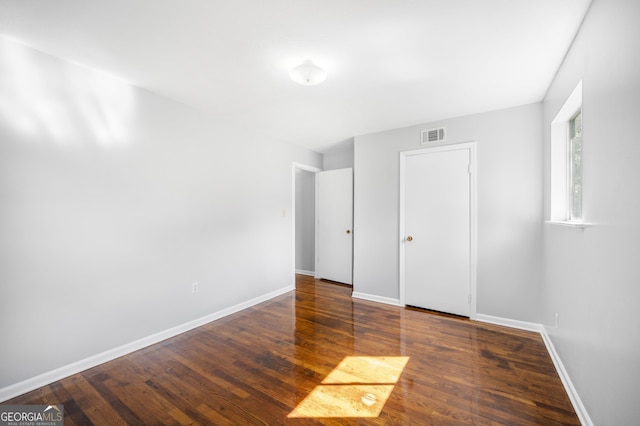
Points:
(575, 167)
(566, 162)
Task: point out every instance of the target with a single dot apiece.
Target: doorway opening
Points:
(304, 219)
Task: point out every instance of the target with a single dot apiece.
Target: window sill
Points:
(568, 224)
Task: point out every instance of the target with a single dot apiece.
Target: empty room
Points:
(319, 212)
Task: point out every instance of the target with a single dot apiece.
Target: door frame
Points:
(299, 166)
(473, 244)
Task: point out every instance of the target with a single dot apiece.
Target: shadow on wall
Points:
(101, 108)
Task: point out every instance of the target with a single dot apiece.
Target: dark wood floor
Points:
(257, 366)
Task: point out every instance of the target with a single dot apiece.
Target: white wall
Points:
(113, 201)
(509, 213)
(592, 277)
(305, 220)
(339, 156)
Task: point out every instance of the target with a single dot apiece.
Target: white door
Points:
(335, 219)
(437, 229)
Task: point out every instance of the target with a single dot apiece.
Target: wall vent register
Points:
(433, 135)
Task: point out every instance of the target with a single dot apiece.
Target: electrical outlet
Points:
(557, 320)
(194, 288)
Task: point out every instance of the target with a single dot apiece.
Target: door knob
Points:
(348, 231)
(409, 238)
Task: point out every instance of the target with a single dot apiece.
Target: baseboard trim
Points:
(44, 379)
(578, 406)
(374, 298)
(581, 411)
(506, 322)
(303, 272)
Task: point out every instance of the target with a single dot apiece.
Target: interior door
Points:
(437, 228)
(335, 221)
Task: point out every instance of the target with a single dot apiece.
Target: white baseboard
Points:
(578, 406)
(374, 298)
(506, 322)
(44, 379)
(303, 272)
(581, 411)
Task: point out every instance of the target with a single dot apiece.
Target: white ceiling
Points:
(390, 63)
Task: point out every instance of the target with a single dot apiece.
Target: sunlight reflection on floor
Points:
(358, 387)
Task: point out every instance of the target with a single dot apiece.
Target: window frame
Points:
(561, 209)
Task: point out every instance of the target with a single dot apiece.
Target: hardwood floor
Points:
(259, 365)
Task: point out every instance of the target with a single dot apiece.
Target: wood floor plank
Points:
(254, 367)
(96, 409)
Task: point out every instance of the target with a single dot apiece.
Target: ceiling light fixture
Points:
(308, 74)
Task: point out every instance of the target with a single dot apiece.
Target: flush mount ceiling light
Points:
(308, 74)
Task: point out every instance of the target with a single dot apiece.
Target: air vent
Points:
(433, 135)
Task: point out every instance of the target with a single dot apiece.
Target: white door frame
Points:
(471, 146)
(299, 166)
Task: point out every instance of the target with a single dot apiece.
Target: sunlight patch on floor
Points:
(358, 387)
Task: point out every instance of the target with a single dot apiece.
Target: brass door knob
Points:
(409, 238)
